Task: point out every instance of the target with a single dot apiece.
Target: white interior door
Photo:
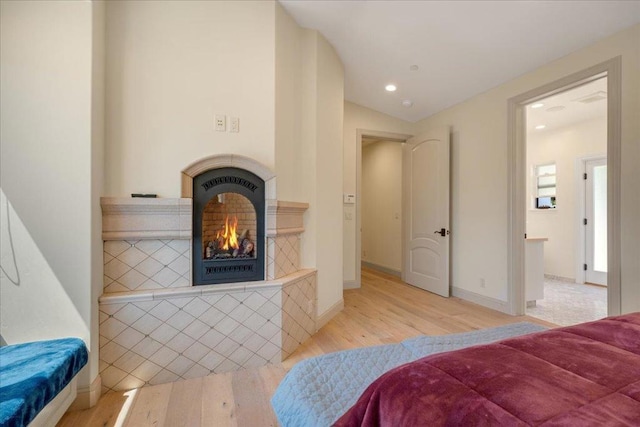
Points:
(596, 222)
(426, 222)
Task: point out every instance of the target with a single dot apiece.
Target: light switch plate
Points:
(234, 124)
(221, 123)
(349, 199)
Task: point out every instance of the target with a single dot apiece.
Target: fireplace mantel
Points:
(127, 218)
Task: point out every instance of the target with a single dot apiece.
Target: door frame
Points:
(581, 205)
(516, 179)
(387, 136)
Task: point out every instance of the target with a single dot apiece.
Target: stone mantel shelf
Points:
(203, 290)
(285, 217)
(131, 218)
(151, 205)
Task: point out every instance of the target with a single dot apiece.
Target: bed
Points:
(582, 375)
(318, 390)
(37, 382)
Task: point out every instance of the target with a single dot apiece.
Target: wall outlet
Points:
(482, 283)
(234, 124)
(221, 123)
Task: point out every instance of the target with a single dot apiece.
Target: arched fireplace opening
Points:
(228, 226)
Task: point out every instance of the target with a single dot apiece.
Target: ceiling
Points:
(586, 102)
(461, 48)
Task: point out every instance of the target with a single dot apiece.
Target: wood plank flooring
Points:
(383, 311)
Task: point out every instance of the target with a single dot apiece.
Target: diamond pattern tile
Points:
(283, 256)
(287, 259)
(156, 341)
(298, 317)
(146, 264)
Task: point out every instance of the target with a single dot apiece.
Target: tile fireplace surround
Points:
(155, 327)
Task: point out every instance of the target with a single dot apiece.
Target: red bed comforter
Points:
(583, 375)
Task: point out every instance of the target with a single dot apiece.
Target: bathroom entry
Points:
(566, 201)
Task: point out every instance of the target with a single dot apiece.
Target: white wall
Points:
(51, 172)
(319, 166)
(357, 117)
(564, 147)
(328, 174)
(479, 169)
(382, 204)
(289, 98)
(173, 65)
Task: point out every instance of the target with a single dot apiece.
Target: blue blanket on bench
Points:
(32, 374)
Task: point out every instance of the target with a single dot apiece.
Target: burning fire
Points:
(228, 234)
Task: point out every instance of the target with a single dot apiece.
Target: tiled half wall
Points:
(155, 327)
(153, 337)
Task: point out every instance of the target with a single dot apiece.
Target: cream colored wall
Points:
(50, 172)
(479, 169)
(171, 67)
(319, 151)
(564, 147)
(358, 117)
(289, 110)
(328, 175)
(382, 204)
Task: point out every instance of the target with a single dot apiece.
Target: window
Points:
(545, 186)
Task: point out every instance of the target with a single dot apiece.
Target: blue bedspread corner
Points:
(32, 374)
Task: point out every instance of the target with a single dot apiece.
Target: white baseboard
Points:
(381, 268)
(324, 318)
(350, 284)
(87, 396)
(492, 303)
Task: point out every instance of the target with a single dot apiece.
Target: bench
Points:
(37, 383)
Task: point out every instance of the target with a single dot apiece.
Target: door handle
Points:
(443, 232)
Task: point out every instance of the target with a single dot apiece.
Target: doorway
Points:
(362, 138)
(517, 178)
(382, 205)
(424, 207)
(566, 141)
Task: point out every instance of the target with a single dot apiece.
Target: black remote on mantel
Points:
(152, 196)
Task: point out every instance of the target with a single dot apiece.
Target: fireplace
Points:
(228, 226)
(154, 326)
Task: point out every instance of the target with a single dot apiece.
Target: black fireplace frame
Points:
(208, 185)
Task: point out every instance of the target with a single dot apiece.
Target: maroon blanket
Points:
(583, 375)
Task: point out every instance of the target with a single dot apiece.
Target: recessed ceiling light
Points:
(414, 68)
(407, 103)
(539, 127)
(537, 105)
(390, 88)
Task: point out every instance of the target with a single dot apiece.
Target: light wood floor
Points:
(383, 311)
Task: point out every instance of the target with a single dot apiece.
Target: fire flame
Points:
(228, 234)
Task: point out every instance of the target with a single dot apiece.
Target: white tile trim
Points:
(204, 290)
